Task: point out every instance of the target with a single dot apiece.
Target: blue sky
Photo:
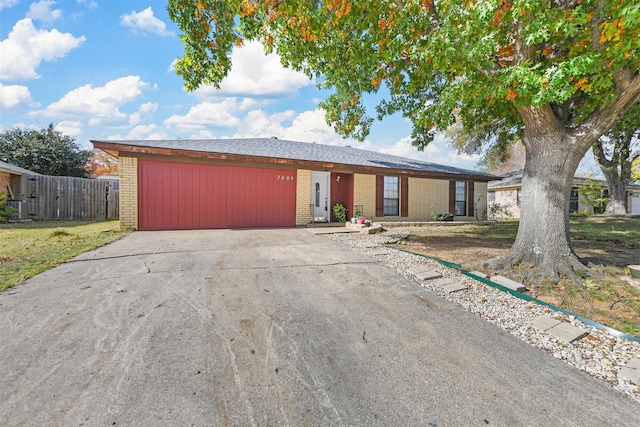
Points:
(102, 69)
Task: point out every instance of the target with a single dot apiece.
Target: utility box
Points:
(18, 208)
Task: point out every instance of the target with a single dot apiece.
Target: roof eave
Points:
(115, 149)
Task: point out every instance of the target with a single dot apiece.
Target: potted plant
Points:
(358, 217)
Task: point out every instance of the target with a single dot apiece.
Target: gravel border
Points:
(598, 354)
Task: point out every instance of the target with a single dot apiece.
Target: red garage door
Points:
(183, 196)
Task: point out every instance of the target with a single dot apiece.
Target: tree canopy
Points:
(476, 60)
(102, 164)
(45, 151)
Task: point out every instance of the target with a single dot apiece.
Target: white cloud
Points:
(435, 152)
(145, 109)
(90, 3)
(140, 132)
(26, 47)
(101, 104)
(207, 115)
(146, 132)
(8, 3)
(148, 107)
(42, 11)
(308, 126)
(145, 22)
(255, 74)
(13, 95)
(70, 128)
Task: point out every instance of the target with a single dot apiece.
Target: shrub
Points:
(340, 212)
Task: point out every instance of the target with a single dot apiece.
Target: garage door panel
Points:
(178, 196)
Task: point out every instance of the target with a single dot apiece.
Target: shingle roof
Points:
(514, 179)
(16, 170)
(293, 150)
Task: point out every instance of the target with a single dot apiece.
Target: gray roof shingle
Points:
(16, 170)
(514, 179)
(293, 150)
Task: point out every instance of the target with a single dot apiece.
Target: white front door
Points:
(320, 196)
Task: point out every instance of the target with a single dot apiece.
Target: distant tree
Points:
(102, 164)
(615, 152)
(46, 151)
(501, 149)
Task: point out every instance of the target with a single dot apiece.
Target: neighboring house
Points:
(10, 178)
(268, 182)
(10, 183)
(506, 194)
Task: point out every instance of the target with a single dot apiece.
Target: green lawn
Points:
(29, 248)
(603, 293)
(621, 231)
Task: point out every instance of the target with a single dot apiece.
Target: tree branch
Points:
(599, 121)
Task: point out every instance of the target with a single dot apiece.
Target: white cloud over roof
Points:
(144, 21)
(26, 47)
(206, 115)
(101, 104)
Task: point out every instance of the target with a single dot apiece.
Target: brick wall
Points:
(508, 199)
(303, 197)
(364, 193)
(128, 167)
(427, 198)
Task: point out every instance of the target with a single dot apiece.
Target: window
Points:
(391, 205)
(461, 198)
(491, 196)
(573, 201)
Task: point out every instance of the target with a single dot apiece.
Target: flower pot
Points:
(635, 271)
(354, 220)
(360, 221)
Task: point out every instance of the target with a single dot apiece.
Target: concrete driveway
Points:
(267, 327)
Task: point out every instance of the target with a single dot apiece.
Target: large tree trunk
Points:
(617, 170)
(617, 196)
(552, 157)
(554, 148)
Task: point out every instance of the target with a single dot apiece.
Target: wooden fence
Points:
(62, 197)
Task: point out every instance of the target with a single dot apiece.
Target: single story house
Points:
(506, 194)
(269, 182)
(10, 178)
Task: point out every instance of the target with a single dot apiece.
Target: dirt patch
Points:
(606, 294)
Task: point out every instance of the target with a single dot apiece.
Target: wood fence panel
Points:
(61, 197)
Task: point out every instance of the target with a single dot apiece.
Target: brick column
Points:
(303, 197)
(128, 167)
